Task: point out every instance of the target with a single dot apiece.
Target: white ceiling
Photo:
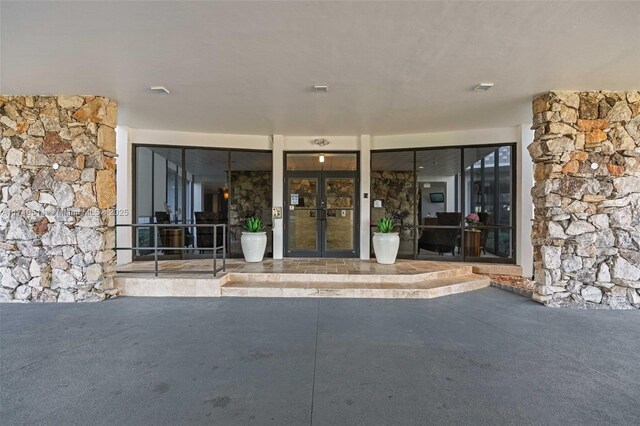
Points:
(248, 67)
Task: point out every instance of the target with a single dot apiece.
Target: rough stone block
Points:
(591, 213)
(57, 251)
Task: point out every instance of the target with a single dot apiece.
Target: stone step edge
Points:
(471, 284)
(329, 277)
(322, 285)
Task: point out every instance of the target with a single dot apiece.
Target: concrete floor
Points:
(476, 358)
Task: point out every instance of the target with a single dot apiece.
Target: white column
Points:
(524, 201)
(365, 190)
(124, 191)
(277, 195)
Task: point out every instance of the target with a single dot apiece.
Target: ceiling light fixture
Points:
(321, 158)
(320, 142)
(483, 87)
(320, 89)
(159, 90)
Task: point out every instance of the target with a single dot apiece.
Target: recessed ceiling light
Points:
(421, 167)
(160, 90)
(320, 89)
(483, 87)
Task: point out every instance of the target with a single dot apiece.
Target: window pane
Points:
(251, 191)
(209, 199)
(489, 172)
(303, 219)
(331, 161)
(340, 213)
(144, 199)
(158, 195)
(393, 194)
(439, 205)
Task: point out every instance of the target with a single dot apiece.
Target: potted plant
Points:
(472, 220)
(385, 241)
(253, 240)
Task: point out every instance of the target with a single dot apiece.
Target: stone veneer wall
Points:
(251, 195)
(395, 189)
(586, 230)
(57, 177)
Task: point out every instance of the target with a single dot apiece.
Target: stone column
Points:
(586, 232)
(57, 176)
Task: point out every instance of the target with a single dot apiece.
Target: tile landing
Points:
(302, 278)
(425, 289)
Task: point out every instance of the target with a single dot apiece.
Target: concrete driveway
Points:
(485, 357)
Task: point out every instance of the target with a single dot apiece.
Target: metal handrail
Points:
(155, 247)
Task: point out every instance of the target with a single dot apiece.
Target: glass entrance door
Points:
(321, 212)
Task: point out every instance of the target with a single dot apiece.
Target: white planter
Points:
(385, 246)
(253, 245)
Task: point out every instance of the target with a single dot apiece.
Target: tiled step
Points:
(250, 277)
(425, 289)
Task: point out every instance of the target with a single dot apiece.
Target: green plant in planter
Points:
(385, 225)
(253, 224)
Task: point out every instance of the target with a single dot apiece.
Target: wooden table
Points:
(472, 242)
(172, 238)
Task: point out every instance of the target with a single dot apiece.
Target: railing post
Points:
(183, 238)
(215, 249)
(155, 249)
(157, 246)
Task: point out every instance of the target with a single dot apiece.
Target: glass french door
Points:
(321, 214)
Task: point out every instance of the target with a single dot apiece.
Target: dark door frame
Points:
(321, 214)
(321, 222)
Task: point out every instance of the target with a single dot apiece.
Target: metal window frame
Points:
(460, 186)
(183, 148)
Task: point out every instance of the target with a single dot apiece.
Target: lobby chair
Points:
(448, 237)
(441, 240)
(204, 235)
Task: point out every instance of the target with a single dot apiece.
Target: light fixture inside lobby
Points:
(320, 89)
(483, 87)
(159, 90)
(321, 158)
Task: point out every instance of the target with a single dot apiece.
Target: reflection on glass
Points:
(438, 177)
(433, 188)
(488, 179)
(200, 192)
(302, 229)
(159, 197)
(340, 194)
(393, 193)
(250, 194)
(209, 198)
